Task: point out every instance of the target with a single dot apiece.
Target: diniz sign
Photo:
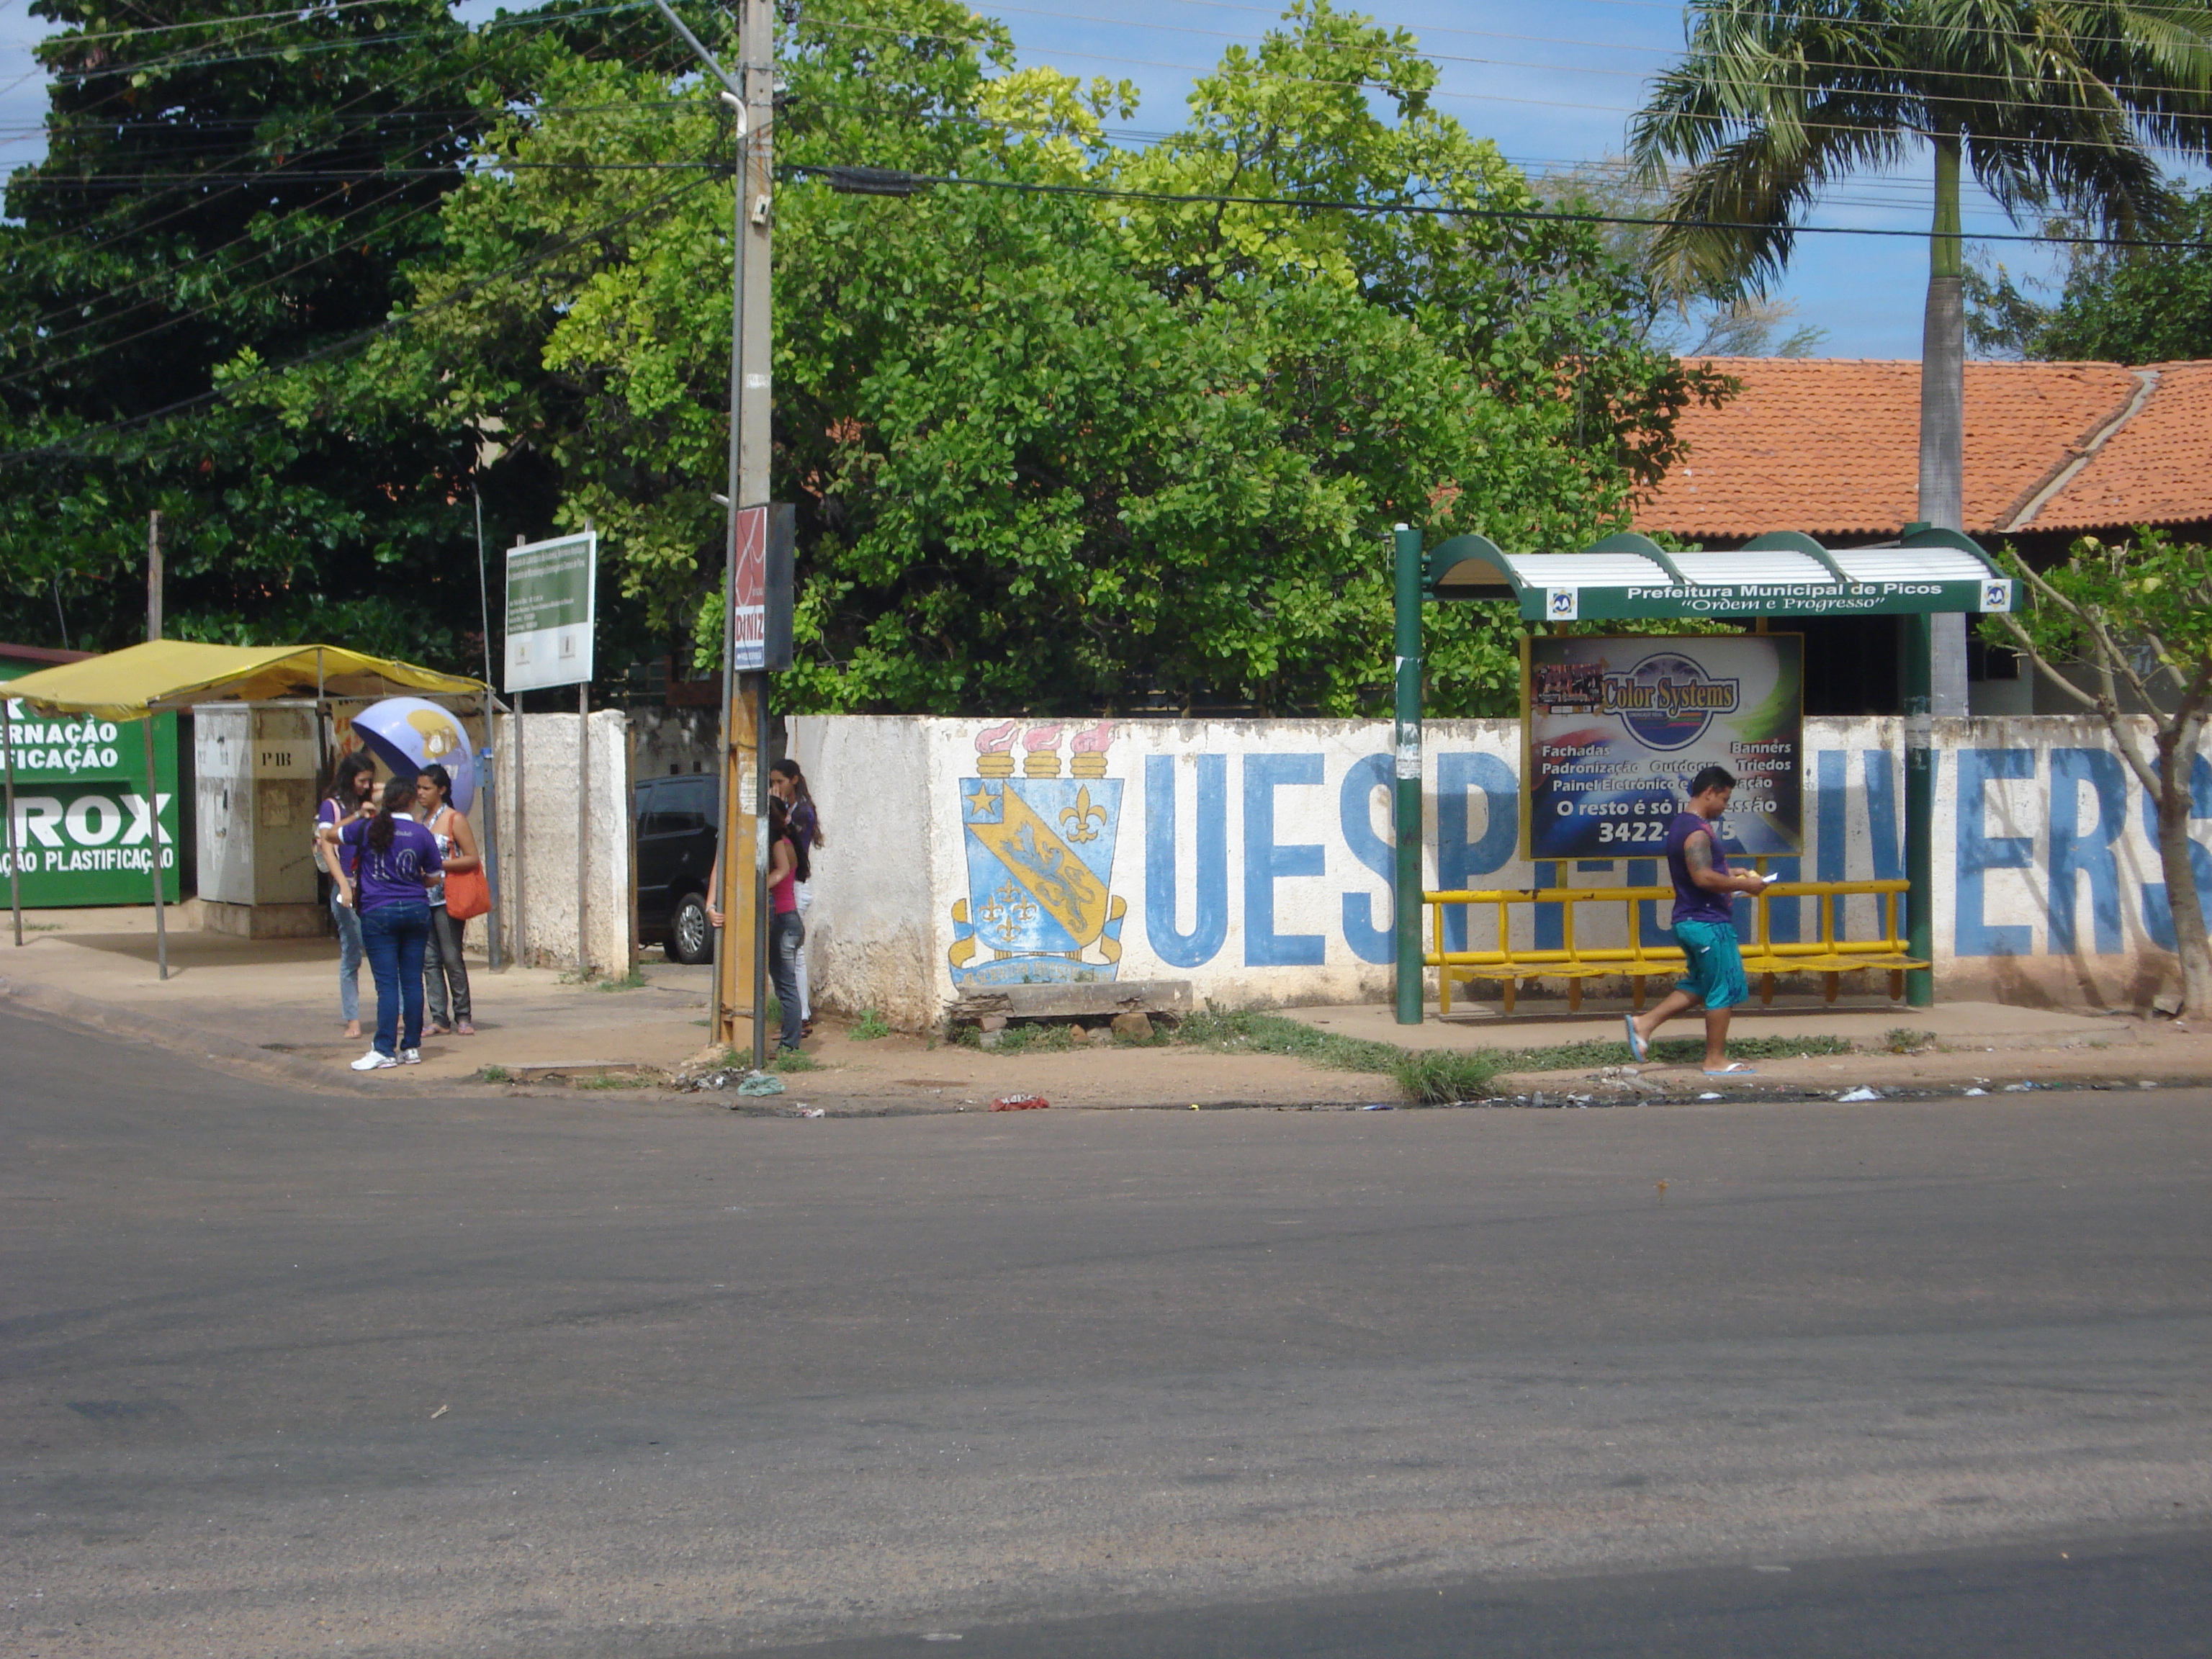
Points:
(1616, 725)
(760, 590)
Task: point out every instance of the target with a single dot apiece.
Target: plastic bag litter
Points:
(1020, 1103)
(1977, 1091)
(1379, 1106)
(812, 1112)
(761, 1083)
(1859, 1093)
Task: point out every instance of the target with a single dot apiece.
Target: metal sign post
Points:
(14, 869)
(552, 597)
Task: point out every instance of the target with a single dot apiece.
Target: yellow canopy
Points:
(141, 679)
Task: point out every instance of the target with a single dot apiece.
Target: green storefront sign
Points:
(81, 818)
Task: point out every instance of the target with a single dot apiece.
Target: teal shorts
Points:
(1716, 975)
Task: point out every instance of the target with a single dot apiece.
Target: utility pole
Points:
(153, 577)
(742, 967)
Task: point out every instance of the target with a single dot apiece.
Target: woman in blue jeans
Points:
(394, 860)
(348, 799)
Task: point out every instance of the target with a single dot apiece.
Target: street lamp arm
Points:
(737, 94)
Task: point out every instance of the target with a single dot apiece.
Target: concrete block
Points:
(1105, 998)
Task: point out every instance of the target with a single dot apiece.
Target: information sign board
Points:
(1616, 725)
(552, 595)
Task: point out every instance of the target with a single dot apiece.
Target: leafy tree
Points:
(1049, 451)
(219, 194)
(2129, 305)
(2137, 623)
(2046, 106)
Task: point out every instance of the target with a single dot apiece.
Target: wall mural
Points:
(1040, 856)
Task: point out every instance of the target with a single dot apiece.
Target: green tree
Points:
(1049, 452)
(219, 193)
(2136, 622)
(2046, 106)
(2129, 305)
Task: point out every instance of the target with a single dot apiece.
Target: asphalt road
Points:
(600, 1376)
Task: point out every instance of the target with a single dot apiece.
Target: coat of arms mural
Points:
(1040, 851)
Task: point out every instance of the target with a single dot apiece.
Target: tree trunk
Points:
(2189, 942)
(1943, 411)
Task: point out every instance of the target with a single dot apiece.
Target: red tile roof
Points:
(1831, 445)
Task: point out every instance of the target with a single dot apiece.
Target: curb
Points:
(227, 1051)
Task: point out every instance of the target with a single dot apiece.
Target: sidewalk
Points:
(270, 1008)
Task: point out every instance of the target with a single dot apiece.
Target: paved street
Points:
(608, 1375)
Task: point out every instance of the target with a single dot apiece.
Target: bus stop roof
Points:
(163, 674)
(1782, 573)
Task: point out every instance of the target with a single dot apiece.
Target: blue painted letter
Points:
(1980, 851)
(1458, 860)
(2157, 908)
(1355, 806)
(1265, 863)
(2074, 853)
(1210, 925)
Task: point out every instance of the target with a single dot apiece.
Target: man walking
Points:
(1704, 926)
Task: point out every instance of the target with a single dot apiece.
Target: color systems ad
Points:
(1617, 726)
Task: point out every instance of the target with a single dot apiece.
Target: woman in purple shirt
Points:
(394, 860)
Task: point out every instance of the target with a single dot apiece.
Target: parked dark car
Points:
(677, 820)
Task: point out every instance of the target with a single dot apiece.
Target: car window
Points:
(690, 803)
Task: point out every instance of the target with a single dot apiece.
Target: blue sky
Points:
(1551, 80)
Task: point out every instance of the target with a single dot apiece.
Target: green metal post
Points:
(1408, 769)
(1920, 806)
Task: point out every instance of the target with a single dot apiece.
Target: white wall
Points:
(538, 874)
(1252, 858)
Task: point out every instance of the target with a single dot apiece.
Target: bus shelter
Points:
(1924, 572)
(141, 681)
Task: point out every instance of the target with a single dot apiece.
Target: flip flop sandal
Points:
(1639, 1044)
(1734, 1068)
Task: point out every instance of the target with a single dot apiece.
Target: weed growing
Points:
(1253, 1033)
(632, 980)
(494, 1074)
(870, 1026)
(794, 1060)
(1443, 1076)
(614, 1083)
(1904, 1040)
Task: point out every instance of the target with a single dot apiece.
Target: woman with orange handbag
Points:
(451, 903)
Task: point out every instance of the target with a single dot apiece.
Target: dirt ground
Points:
(269, 1008)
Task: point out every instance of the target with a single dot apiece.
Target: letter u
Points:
(1210, 925)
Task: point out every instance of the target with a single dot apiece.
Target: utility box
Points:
(255, 770)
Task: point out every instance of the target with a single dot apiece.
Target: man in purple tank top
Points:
(1704, 888)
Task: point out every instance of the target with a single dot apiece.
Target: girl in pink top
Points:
(787, 933)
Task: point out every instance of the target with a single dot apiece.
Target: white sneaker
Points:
(372, 1061)
(410, 1056)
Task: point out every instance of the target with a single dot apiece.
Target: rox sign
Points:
(82, 832)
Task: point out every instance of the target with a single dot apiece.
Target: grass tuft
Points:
(633, 980)
(1249, 1032)
(493, 1074)
(1444, 1076)
(609, 1082)
(1904, 1040)
(870, 1026)
(796, 1061)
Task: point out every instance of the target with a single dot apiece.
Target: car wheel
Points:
(691, 935)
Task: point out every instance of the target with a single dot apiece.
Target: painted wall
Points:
(1253, 858)
(537, 869)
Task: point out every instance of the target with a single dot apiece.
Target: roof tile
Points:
(1831, 445)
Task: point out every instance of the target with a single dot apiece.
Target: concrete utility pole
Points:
(742, 966)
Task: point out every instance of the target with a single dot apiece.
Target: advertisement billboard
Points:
(81, 818)
(1616, 725)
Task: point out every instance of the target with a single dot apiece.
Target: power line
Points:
(887, 181)
(360, 338)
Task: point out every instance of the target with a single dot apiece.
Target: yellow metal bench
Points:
(1636, 962)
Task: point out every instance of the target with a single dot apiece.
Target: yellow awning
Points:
(162, 674)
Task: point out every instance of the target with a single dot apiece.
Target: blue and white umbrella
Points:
(407, 734)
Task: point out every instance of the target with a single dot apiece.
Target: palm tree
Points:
(2051, 105)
